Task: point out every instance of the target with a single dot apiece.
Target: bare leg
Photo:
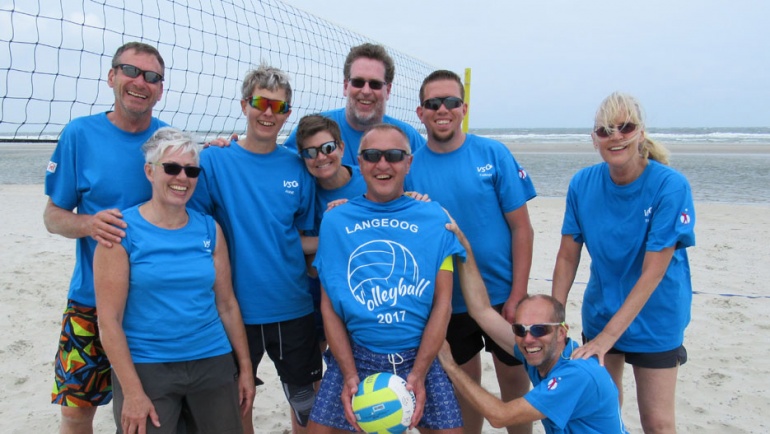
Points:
(655, 393)
(514, 383)
(248, 422)
(472, 420)
(614, 364)
(77, 420)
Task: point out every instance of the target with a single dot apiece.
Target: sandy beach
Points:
(724, 387)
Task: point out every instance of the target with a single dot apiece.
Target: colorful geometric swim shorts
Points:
(82, 369)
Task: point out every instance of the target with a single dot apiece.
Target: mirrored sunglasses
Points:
(391, 155)
(605, 132)
(174, 169)
(261, 103)
(312, 152)
(373, 84)
(133, 72)
(450, 102)
(536, 330)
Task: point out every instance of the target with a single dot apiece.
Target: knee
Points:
(301, 400)
(657, 423)
(72, 417)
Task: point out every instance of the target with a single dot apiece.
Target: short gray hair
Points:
(170, 139)
(266, 77)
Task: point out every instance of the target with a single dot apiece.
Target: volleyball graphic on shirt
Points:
(380, 263)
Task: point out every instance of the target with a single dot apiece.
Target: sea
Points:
(730, 165)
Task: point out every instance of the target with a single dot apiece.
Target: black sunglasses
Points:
(174, 169)
(450, 102)
(391, 155)
(605, 132)
(133, 72)
(276, 105)
(536, 330)
(312, 152)
(373, 84)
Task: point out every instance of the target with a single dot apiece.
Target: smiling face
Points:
(542, 352)
(264, 126)
(171, 190)
(134, 97)
(384, 180)
(323, 167)
(443, 125)
(366, 106)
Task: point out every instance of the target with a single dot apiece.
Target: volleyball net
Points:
(54, 58)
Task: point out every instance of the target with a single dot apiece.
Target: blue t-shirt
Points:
(261, 201)
(577, 396)
(352, 137)
(619, 224)
(378, 264)
(171, 313)
(478, 184)
(96, 166)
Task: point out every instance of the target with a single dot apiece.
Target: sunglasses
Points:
(391, 155)
(276, 105)
(133, 72)
(605, 132)
(450, 102)
(373, 84)
(174, 169)
(536, 330)
(312, 152)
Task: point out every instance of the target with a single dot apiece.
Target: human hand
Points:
(445, 354)
(422, 197)
(335, 203)
(106, 227)
(509, 309)
(246, 391)
(598, 346)
(349, 389)
(136, 409)
(221, 142)
(416, 384)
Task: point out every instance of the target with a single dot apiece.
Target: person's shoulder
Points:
(87, 121)
(665, 171)
(405, 126)
(336, 114)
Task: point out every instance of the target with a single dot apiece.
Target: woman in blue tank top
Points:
(169, 320)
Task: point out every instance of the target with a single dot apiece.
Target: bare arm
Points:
(106, 226)
(522, 241)
(653, 269)
(499, 414)
(477, 298)
(111, 274)
(230, 313)
(567, 261)
(339, 344)
(432, 338)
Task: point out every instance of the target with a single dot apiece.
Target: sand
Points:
(724, 387)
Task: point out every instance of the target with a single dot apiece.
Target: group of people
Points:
(200, 262)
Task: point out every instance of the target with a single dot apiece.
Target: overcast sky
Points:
(549, 63)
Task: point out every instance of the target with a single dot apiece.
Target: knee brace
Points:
(301, 399)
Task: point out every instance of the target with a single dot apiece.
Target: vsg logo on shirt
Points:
(485, 170)
(290, 186)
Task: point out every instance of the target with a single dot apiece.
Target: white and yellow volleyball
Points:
(382, 404)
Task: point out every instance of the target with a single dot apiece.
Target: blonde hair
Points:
(622, 105)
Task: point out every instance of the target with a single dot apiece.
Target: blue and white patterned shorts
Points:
(441, 408)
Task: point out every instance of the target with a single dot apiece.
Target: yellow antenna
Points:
(467, 98)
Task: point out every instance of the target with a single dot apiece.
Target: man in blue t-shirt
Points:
(480, 183)
(385, 264)
(569, 396)
(97, 169)
(368, 72)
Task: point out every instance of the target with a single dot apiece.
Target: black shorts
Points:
(292, 346)
(466, 339)
(661, 360)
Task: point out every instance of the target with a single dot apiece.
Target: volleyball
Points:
(379, 262)
(383, 405)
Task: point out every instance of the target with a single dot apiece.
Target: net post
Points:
(467, 98)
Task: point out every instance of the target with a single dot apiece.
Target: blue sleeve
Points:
(201, 199)
(559, 395)
(673, 221)
(305, 216)
(571, 223)
(61, 183)
(513, 184)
